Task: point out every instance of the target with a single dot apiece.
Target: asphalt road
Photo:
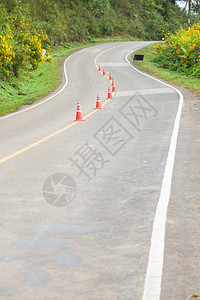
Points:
(84, 204)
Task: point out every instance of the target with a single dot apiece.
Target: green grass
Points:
(16, 92)
(173, 77)
(28, 87)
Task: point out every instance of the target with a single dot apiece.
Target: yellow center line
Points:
(60, 130)
(37, 143)
(95, 61)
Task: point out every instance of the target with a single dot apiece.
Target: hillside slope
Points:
(80, 20)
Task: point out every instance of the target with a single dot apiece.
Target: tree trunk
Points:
(190, 5)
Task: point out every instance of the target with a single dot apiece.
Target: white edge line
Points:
(46, 100)
(153, 278)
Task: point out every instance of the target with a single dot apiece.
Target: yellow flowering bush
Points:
(181, 51)
(21, 46)
(6, 51)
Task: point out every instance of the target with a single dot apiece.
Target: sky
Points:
(181, 4)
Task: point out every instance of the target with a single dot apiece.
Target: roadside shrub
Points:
(181, 51)
(21, 46)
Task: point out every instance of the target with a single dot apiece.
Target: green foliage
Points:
(65, 21)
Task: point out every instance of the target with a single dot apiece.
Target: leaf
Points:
(185, 51)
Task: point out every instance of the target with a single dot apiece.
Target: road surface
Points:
(106, 208)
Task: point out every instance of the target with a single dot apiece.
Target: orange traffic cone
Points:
(99, 69)
(109, 93)
(104, 72)
(113, 86)
(79, 116)
(110, 77)
(98, 103)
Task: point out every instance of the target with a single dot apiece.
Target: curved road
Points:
(84, 204)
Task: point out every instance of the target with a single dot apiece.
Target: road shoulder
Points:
(182, 259)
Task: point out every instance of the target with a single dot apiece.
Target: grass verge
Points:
(29, 87)
(173, 77)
